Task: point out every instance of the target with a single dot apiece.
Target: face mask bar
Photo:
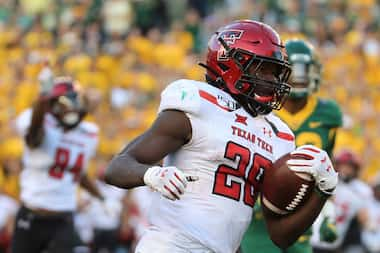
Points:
(70, 101)
(67, 109)
(300, 73)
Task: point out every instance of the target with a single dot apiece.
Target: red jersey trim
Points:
(312, 150)
(89, 134)
(279, 134)
(92, 135)
(285, 136)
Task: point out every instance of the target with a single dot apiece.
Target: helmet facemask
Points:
(305, 75)
(67, 109)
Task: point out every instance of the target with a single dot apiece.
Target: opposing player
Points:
(58, 146)
(215, 142)
(313, 121)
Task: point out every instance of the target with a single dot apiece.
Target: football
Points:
(283, 190)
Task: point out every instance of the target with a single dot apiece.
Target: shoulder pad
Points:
(280, 128)
(22, 122)
(182, 95)
(286, 138)
(332, 111)
(89, 128)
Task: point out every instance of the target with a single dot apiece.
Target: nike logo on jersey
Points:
(241, 119)
(232, 105)
(315, 124)
(216, 101)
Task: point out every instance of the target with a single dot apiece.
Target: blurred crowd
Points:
(123, 52)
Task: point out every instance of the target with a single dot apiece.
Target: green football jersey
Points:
(315, 124)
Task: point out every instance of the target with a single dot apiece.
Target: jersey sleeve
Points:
(92, 132)
(22, 122)
(181, 95)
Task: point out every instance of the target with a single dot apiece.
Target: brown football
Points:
(283, 190)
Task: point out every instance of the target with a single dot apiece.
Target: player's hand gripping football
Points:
(169, 181)
(317, 164)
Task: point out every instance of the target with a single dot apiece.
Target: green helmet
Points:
(305, 67)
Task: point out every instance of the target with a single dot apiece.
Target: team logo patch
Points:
(227, 103)
(230, 37)
(241, 119)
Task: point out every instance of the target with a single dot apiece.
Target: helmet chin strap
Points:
(261, 109)
(253, 107)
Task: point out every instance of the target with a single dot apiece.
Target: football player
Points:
(215, 142)
(371, 234)
(58, 147)
(313, 121)
(351, 201)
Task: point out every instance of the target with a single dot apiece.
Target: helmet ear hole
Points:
(239, 85)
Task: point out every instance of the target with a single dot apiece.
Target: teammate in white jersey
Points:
(58, 147)
(216, 139)
(351, 201)
(349, 170)
(371, 234)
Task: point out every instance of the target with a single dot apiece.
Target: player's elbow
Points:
(108, 175)
(119, 174)
(34, 139)
(111, 173)
(281, 236)
(281, 241)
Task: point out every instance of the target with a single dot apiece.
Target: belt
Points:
(46, 212)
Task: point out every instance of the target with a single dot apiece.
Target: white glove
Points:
(169, 181)
(318, 165)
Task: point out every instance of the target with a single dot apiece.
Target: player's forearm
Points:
(35, 133)
(125, 172)
(286, 230)
(91, 187)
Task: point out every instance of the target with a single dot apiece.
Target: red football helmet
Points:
(239, 54)
(349, 157)
(65, 102)
(347, 164)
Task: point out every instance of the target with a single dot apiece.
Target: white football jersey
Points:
(229, 152)
(141, 198)
(51, 172)
(347, 203)
(363, 190)
(371, 234)
(107, 212)
(8, 208)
